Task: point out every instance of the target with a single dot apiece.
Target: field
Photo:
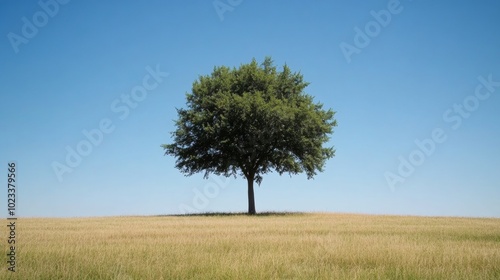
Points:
(269, 246)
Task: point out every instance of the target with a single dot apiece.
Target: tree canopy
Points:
(250, 121)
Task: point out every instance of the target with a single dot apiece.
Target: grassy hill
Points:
(269, 246)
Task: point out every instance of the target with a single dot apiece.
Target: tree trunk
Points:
(251, 199)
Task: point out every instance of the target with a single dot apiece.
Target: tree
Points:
(250, 121)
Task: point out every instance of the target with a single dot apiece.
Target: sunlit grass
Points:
(266, 246)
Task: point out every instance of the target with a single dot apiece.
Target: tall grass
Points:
(272, 246)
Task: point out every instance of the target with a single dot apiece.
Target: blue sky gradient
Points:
(402, 78)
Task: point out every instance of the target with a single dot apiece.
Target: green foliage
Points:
(250, 121)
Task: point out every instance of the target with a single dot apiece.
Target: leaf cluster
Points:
(250, 121)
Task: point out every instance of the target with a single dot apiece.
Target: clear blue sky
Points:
(70, 73)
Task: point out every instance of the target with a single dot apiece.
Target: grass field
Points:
(273, 246)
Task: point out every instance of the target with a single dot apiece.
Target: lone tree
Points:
(250, 121)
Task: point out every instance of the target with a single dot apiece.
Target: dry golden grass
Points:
(291, 246)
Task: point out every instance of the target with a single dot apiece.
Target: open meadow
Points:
(266, 246)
